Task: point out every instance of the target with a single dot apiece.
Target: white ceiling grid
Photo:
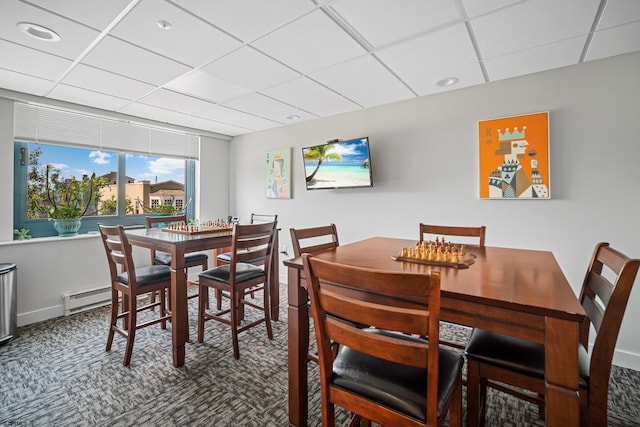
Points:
(240, 66)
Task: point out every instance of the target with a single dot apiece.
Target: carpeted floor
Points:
(57, 373)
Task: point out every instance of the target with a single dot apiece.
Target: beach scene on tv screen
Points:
(338, 164)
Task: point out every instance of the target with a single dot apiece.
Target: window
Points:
(54, 147)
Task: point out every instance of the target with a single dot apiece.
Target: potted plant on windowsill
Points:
(69, 200)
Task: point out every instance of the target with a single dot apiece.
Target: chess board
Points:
(465, 262)
(198, 229)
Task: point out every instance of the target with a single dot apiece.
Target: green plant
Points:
(70, 198)
(21, 234)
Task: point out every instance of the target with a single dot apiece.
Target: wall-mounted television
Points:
(338, 164)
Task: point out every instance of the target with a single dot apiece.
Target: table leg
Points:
(179, 309)
(298, 348)
(562, 397)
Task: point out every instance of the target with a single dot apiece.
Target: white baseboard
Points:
(40, 315)
(627, 359)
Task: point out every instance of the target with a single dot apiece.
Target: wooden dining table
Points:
(179, 244)
(518, 292)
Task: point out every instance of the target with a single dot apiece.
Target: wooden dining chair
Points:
(195, 259)
(390, 378)
(453, 231)
(127, 282)
(506, 363)
(314, 239)
(473, 235)
(223, 255)
(248, 243)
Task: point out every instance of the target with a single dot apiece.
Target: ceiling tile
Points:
(474, 7)
(189, 40)
(263, 106)
(615, 41)
(170, 100)
(312, 42)
(468, 75)
(123, 58)
(74, 38)
(95, 13)
(24, 83)
(148, 111)
(441, 50)
(383, 94)
(205, 86)
(312, 97)
(98, 80)
(619, 12)
(237, 118)
(382, 22)
(247, 19)
(210, 125)
(85, 97)
(249, 68)
(31, 61)
(355, 75)
(530, 24)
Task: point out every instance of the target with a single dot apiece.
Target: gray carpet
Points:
(57, 373)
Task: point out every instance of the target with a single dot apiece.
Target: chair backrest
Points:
(604, 296)
(314, 240)
(262, 218)
(118, 250)
(253, 241)
(164, 219)
(343, 298)
(445, 230)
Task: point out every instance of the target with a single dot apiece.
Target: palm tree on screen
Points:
(320, 153)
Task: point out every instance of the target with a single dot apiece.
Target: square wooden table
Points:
(517, 292)
(178, 244)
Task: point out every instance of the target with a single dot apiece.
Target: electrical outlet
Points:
(283, 249)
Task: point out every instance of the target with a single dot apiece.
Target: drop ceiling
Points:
(239, 66)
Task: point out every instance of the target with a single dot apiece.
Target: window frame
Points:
(43, 227)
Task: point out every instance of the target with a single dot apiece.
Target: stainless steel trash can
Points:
(8, 302)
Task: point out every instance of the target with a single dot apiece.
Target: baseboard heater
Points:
(87, 299)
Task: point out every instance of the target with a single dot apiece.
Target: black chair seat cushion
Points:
(226, 258)
(398, 387)
(244, 272)
(164, 258)
(147, 275)
(516, 354)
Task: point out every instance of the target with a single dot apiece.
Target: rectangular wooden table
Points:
(518, 292)
(178, 245)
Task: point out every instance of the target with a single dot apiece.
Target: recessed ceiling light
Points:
(447, 81)
(39, 32)
(165, 25)
(293, 117)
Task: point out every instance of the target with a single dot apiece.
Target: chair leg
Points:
(455, 410)
(218, 295)
(163, 306)
(115, 306)
(473, 393)
(132, 320)
(267, 310)
(483, 402)
(202, 291)
(235, 299)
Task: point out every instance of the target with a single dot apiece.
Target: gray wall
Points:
(424, 161)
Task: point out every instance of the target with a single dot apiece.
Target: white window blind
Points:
(34, 123)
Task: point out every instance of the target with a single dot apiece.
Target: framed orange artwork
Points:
(514, 157)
